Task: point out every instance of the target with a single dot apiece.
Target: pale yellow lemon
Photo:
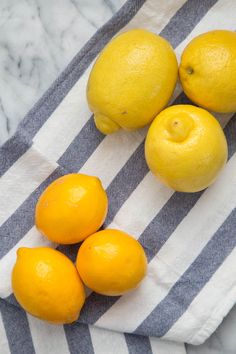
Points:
(47, 285)
(131, 81)
(186, 148)
(111, 262)
(208, 70)
(71, 208)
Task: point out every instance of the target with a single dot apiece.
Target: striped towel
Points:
(189, 239)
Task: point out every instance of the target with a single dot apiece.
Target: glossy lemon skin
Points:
(47, 285)
(131, 81)
(208, 70)
(186, 148)
(111, 262)
(71, 208)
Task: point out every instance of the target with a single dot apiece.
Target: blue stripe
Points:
(79, 339)
(163, 225)
(12, 300)
(82, 147)
(138, 344)
(229, 131)
(95, 306)
(178, 26)
(125, 182)
(173, 306)
(12, 150)
(17, 329)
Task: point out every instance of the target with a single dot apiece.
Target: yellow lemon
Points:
(131, 81)
(208, 70)
(111, 262)
(71, 208)
(47, 285)
(186, 148)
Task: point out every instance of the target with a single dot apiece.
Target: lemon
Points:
(208, 70)
(71, 208)
(131, 81)
(111, 262)
(186, 148)
(47, 285)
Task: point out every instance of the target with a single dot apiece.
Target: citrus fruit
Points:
(110, 262)
(131, 81)
(208, 70)
(47, 285)
(71, 208)
(186, 148)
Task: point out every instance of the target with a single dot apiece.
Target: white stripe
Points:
(3, 338)
(145, 202)
(47, 338)
(65, 122)
(111, 155)
(153, 18)
(21, 180)
(214, 19)
(177, 253)
(210, 306)
(31, 239)
(160, 346)
(107, 341)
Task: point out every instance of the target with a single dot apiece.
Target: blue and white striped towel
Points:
(189, 239)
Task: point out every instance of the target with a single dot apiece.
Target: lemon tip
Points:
(104, 124)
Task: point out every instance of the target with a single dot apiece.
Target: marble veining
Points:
(38, 38)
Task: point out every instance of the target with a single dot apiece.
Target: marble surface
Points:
(38, 38)
(223, 341)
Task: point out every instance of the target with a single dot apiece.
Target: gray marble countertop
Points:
(37, 40)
